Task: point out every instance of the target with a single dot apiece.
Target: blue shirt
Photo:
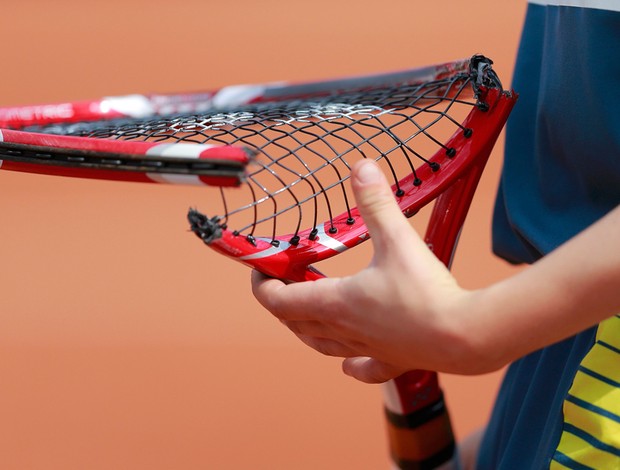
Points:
(562, 159)
(561, 174)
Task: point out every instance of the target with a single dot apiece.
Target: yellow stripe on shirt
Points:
(591, 432)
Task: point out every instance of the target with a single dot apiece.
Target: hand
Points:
(404, 311)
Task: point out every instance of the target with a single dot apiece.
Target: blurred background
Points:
(124, 342)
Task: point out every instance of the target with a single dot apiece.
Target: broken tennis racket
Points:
(289, 149)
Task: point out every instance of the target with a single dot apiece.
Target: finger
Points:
(329, 347)
(332, 331)
(309, 328)
(263, 286)
(370, 370)
(386, 224)
(317, 300)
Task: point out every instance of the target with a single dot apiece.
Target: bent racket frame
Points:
(289, 148)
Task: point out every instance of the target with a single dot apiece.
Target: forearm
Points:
(571, 289)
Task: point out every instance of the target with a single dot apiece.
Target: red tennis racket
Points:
(289, 149)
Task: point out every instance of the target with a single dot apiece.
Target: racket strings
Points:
(306, 148)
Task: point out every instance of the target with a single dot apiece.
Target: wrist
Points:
(475, 345)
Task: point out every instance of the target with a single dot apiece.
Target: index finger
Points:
(311, 300)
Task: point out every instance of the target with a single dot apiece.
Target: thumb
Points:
(386, 223)
(370, 370)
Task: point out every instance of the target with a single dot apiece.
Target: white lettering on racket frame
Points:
(322, 239)
(329, 242)
(273, 250)
(611, 5)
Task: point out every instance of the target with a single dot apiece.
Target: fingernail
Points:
(368, 172)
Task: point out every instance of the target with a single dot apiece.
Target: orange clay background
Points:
(124, 342)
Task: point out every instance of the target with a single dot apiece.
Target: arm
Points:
(384, 319)
(571, 289)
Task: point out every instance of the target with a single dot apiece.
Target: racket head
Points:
(289, 148)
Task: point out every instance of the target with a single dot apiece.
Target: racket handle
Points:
(418, 424)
